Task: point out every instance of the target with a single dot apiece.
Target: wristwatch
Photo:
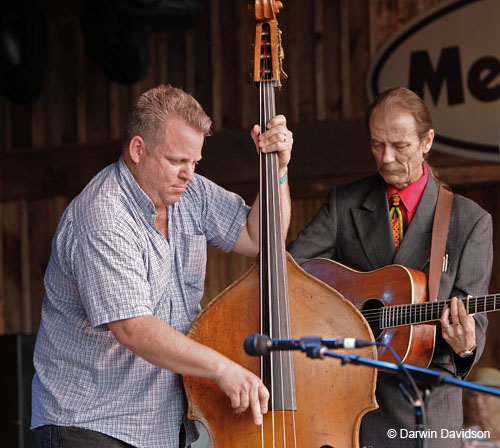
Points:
(467, 353)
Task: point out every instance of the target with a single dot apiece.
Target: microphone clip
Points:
(313, 347)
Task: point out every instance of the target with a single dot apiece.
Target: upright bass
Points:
(313, 403)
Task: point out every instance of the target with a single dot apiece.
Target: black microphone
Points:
(261, 344)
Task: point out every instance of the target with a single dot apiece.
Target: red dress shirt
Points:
(410, 195)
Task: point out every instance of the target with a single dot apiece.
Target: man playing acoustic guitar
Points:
(363, 225)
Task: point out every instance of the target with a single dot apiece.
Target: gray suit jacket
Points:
(353, 228)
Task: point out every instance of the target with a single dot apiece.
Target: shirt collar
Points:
(129, 184)
(410, 195)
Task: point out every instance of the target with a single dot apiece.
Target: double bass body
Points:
(331, 398)
(313, 403)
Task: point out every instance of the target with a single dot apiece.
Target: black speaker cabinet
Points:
(16, 374)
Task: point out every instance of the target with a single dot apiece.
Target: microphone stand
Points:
(425, 376)
(406, 372)
(422, 375)
(312, 347)
(419, 411)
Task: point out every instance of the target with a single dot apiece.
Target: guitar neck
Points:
(418, 313)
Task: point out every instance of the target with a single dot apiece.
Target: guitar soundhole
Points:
(371, 311)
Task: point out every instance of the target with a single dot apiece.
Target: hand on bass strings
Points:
(277, 138)
(244, 389)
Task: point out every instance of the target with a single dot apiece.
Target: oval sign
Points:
(450, 56)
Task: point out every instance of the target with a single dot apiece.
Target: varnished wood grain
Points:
(50, 149)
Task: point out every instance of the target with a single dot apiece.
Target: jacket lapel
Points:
(374, 230)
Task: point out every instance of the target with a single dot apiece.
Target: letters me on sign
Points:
(450, 56)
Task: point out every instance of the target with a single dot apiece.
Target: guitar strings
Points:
(431, 310)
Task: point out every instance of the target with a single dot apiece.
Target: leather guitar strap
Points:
(438, 245)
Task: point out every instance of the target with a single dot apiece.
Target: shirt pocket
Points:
(193, 257)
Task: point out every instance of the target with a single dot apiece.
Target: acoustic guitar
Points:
(393, 300)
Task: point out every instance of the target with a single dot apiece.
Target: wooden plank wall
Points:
(328, 46)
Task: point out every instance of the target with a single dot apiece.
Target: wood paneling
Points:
(50, 149)
(11, 320)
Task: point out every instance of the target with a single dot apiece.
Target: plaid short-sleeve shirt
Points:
(109, 262)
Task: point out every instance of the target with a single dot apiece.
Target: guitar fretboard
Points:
(417, 313)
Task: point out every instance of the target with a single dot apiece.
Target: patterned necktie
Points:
(396, 219)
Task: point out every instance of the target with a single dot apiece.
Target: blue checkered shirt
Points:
(109, 262)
